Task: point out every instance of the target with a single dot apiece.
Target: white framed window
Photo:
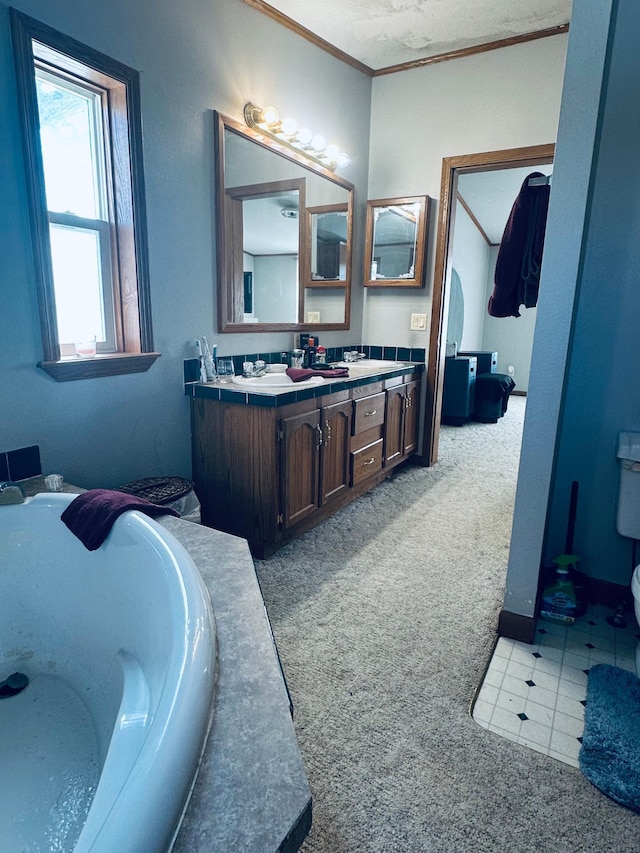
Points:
(83, 145)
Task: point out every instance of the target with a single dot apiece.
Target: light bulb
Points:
(289, 126)
(332, 152)
(318, 143)
(342, 160)
(270, 116)
(304, 136)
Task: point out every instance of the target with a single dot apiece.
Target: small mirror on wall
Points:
(329, 235)
(395, 245)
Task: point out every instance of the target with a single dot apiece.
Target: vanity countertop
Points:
(275, 396)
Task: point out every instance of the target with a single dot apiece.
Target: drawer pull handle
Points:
(369, 414)
(368, 461)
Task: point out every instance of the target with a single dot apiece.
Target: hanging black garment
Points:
(517, 274)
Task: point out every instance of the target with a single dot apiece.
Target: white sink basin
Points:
(369, 365)
(271, 381)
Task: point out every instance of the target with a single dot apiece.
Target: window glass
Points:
(77, 279)
(82, 124)
(72, 144)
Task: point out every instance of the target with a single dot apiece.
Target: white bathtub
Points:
(100, 751)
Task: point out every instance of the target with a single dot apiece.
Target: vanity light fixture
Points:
(267, 120)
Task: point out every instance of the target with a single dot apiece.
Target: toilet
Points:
(628, 517)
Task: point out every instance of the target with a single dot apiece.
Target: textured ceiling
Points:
(383, 33)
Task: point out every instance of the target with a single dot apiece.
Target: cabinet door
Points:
(300, 466)
(411, 411)
(336, 432)
(394, 425)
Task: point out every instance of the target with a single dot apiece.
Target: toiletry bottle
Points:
(203, 372)
(311, 352)
(209, 366)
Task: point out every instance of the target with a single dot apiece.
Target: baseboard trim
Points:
(523, 628)
(609, 594)
(516, 393)
(516, 626)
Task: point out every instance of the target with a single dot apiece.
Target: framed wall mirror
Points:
(396, 233)
(284, 236)
(329, 235)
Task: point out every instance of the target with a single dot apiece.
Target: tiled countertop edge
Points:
(228, 394)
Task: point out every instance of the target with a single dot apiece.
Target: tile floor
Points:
(536, 694)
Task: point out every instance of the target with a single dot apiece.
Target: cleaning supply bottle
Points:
(559, 601)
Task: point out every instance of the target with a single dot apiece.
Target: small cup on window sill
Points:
(86, 349)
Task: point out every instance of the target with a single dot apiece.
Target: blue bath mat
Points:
(610, 753)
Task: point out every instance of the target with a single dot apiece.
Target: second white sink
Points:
(368, 365)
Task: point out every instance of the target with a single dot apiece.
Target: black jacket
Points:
(517, 274)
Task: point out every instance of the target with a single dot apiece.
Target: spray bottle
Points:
(559, 601)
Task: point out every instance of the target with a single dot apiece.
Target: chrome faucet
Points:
(353, 355)
(11, 493)
(249, 368)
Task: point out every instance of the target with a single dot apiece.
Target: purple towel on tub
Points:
(92, 514)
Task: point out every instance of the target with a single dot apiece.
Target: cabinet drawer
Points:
(366, 462)
(368, 412)
(367, 390)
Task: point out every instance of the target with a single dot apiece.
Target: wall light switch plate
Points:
(313, 316)
(418, 322)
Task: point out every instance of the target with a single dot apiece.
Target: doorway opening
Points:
(453, 170)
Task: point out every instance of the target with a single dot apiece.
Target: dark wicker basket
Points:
(158, 490)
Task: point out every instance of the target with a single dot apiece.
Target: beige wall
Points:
(504, 98)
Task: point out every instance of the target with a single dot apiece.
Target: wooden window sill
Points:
(111, 364)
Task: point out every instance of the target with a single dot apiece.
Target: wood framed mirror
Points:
(273, 275)
(395, 247)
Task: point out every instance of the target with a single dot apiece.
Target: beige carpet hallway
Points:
(385, 618)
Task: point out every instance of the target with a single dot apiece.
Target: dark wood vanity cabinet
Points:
(401, 422)
(301, 438)
(269, 473)
(334, 450)
(315, 459)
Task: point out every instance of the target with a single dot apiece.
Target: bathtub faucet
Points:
(11, 493)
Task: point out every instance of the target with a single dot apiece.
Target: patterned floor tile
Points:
(535, 695)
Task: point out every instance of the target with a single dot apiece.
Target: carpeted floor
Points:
(385, 618)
